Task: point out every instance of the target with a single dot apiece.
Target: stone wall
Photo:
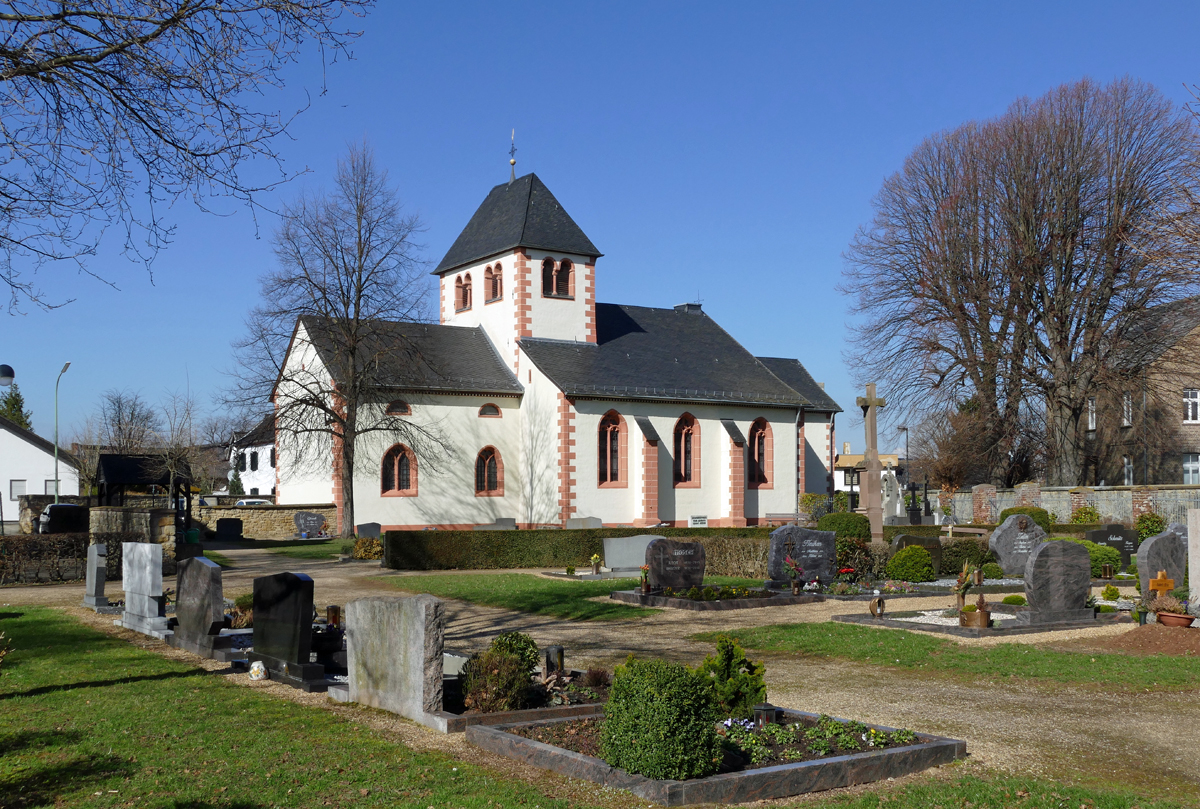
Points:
(1115, 503)
(31, 505)
(265, 522)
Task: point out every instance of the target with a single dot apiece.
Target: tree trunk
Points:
(349, 436)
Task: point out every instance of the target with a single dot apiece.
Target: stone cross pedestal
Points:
(872, 485)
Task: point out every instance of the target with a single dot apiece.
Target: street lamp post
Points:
(60, 373)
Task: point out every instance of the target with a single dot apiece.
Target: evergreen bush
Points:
(1149, 524)
(1014, 600)
(738, 682)
(495, 681)
(847, 524)
(1099, 555)
(855, 553)
(1084, 514)
(911, 564)
(660, 721)
(1038, 515)
(991, 570)
(972, 550)
(522, 646)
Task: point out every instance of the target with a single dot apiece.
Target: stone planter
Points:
(978, 619)
(1174, 619)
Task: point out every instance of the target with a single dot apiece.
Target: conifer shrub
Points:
(516, 643)
(972, 550)
(737, 681)
(911, 564)
(660, 721)
(847, 524)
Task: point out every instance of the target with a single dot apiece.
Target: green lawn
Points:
(314, 550)
(88, 720)
(220, 558)
(914, 650)
(524, 592)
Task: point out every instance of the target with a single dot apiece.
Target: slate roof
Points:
(261, 434)
(131, 470)
(428, 357)
(522, 213)
(797, 377)
(646, 353)
(1158, 329)
(37, 441)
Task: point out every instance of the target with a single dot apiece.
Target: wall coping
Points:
(296, 507)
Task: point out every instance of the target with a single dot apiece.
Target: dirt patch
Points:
(1153, 639)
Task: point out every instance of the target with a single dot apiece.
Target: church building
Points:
(557, 407)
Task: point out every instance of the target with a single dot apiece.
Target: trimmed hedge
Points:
(490, 550)
(1100, 555)
(855, 526)
(30, 558)
(911, 564)
(970, 549)
(1038, 515)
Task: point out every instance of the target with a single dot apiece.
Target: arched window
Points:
(489, 473)
(761, 461)
(687, 451)
(489, 411)
(562, 280)
(253, 461)
(399, 407)
(492, 284)
(272, 459)
(548, 276)
(611, 462)
(463, 288)
(399, 474)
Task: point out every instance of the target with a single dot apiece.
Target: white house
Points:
(27, 466)
(253, 456)
(556, 406)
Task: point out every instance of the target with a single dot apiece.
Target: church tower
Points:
(520, 268)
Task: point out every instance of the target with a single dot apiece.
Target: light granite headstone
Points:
(1058, 575)
(395, 653)
(1014, 541)
(1193, 535)
(627, 554)
(1123, 540)
(200, 609)
(931, 544)
(814, 551)
(675, 564)
(1166, 551)
(141, 579)
(584, 522)
(283, 616)
(893, 503)
(96, 573)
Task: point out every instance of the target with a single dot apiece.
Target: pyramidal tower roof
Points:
(520, 213)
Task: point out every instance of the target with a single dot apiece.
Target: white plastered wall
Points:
(305, 463)
(818, 447)
(21, 460)
(498, 318)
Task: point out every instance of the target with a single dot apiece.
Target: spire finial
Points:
(512, 158)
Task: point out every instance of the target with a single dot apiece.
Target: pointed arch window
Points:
(399, 473)
(493, 284)
(761, 471)
(687, 451)
(611, 452)
(462, 292)
(489, 473)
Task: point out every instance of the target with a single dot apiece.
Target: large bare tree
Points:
(114, 109)
(348, 280)
(1009, 260)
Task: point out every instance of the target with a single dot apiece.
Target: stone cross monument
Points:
(872, 486)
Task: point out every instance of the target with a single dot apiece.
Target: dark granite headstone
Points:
(675, 564)
(1124, 540)
(200, 609)
(1166, 551)
(1014, 540)
(229, 528)
(931, 544)
(308, 522)
(283, 615)
(1058, 575)
(814, 551)
(369, 530)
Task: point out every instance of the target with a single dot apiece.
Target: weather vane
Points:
(512, 158)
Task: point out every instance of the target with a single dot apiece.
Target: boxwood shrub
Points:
(1038, 515)
(1014, 600)
(972, 549)
(911, 564)
(660, 721)
(991, 570)
(856, 526)
(1100, 555)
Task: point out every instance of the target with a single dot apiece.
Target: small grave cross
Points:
(1161, 584)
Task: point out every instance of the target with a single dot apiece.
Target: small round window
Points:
(489, 410)
(399, 408)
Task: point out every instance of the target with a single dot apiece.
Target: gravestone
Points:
(1117, 536)
(308, 523)
(96, 573)
(200, 610)
(1014, 541)
(892, 502)
(1193, 522)
(229, 529)
(1166, 551)
(814, 551)
(369, 530)
(395, 655)
(931, 544)
(675, 564)
(141, 579)
(584, 522)
(627, 554)
(283, 616)
(501, 524)
(1058, 576)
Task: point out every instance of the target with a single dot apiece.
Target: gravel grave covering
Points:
(938, 618)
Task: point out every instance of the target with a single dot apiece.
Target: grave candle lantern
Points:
(764, 714)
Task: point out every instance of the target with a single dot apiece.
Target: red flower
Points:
(846, 570)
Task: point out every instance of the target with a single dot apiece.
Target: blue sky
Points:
(708, 150)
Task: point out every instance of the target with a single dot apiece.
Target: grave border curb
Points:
(783, 600)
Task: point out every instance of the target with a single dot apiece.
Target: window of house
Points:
(687, 451)
(1127, 410)
(851, 477)
(1191, 405)
(760, 454)
(562, 280)
(272, 457)
(556, 279)
(253, 461)
(1091, 413)
(1191, 469)
(254, 490)
(399, 472)
(399, 408)
(489, 473)
(1128, 463)
(462, 292)
(241, 462)
(608, 450)
(492, 284)
(489, 410)
(16, 488)
(548, 276)
(49, 487)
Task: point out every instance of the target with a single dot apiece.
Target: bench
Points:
(950, 529)
(783, 519)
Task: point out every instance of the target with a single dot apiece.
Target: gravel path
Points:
(1139, 741)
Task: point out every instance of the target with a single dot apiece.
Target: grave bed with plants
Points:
(703, 599)
(997, 629)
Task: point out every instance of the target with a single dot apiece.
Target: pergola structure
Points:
(116, 474)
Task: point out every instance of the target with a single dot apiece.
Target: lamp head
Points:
(64, 370)
(6, 375)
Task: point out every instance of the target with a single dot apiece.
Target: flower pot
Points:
(1141, 617)
(795, 587)
(979, 619)
(1174, 619)
(645, 587)
(596, 569)
(962, 601)
(1106, 572)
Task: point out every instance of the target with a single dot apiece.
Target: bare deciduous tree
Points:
(113, 109)
(126, 423)
(348, 270)
(1009, 260)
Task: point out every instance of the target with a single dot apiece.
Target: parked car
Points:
(63, 518)
(252, 502)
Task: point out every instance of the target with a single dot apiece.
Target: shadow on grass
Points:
(206, 805)
(36, 738)
(50, 689)
(4, 615)
(44, 785)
